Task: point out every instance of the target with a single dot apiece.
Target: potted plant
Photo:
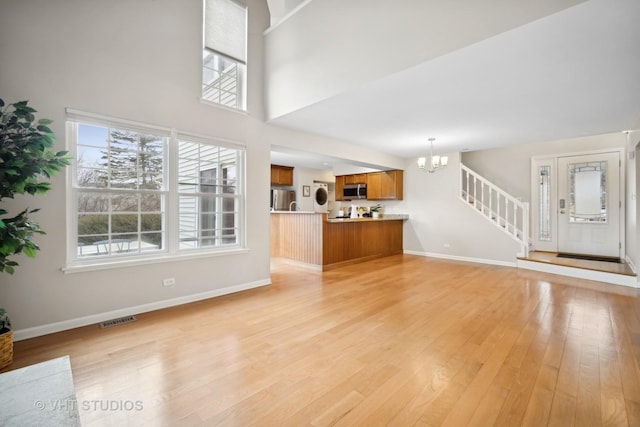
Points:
(375, 210)
(6, 339)
(26, 163)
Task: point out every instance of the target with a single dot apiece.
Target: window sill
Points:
(224, 107)
(80, 267)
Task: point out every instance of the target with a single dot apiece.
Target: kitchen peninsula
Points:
(314, 239)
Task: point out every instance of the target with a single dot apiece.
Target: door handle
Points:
(562, 211)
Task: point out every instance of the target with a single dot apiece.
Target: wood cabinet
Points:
(358, 178)
(342, 180)
(310, 238)
(346, 243)
(339, 187)
(385, 185)
(281, 175)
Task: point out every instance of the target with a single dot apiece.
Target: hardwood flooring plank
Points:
(563, 410)
(489, 407)
(526, 355)
(469, 399)
(327, 408)
(338, 410)
(399, 341)
(612, 401)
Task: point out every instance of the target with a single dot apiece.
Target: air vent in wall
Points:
(115, 322)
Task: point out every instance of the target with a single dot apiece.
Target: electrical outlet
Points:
(170, 281)
(447, 245)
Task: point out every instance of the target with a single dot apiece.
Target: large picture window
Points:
(150, 192)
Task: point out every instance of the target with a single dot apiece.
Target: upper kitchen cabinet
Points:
(385, 185)
(339, 187)
(341, 180)
(281, 175)
(358, 178)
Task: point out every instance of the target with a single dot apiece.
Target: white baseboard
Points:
(461, 258)
(36, 331)
(630, 264)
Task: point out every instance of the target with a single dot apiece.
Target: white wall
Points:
(633, 213)
(139, 60)
(281, 8)
(331, 46)
(441, 225)
(510, 169)
(340, 152)
(636, 259)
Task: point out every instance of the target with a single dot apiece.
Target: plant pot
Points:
(375, 214)
(6, 349)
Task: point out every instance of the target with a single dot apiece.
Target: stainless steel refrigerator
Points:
(281, 200)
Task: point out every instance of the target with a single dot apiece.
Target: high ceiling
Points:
(571, 74)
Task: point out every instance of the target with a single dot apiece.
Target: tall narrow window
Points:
(209, 200)
(224, 56)
(544, 217)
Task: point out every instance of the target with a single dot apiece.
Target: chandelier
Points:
(435, 163)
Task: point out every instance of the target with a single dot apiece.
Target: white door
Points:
(589, 204)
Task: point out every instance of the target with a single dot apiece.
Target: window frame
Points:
(240, 189)
(170, 224)
(241, 83)
(241, 63)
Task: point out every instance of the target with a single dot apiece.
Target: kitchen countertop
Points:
(296, 212)
(382, 217)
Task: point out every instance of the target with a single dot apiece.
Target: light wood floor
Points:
(402, 341)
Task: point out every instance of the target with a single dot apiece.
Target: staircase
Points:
(511, 216)
(506, 212)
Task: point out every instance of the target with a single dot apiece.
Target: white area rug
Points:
(39, 395)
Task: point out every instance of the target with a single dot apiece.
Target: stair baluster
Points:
(514, 222)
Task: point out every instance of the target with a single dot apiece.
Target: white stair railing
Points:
(505, 211)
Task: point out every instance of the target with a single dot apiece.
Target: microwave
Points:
(354, 191)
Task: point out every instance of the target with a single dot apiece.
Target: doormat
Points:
(590, 258)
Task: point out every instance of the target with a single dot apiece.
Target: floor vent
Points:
(120, 321)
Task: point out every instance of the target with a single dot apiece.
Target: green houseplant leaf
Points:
(26, 162)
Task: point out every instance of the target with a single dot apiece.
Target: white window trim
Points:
(224, 107)
(242, 83)
(172, 251)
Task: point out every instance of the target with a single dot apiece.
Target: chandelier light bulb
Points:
(435, 162)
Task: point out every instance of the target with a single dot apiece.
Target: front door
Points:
(589, 204)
